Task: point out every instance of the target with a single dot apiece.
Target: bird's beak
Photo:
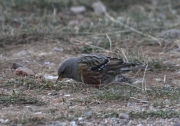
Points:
(59, 78)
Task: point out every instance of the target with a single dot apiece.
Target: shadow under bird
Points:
(93, 68)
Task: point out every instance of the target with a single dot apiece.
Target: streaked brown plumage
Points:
(93, 68)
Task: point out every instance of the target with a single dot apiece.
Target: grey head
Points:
(68, 68)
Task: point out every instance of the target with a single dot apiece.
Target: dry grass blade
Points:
(144, 80)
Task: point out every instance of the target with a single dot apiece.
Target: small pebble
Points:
(123, 116)
(99, 7)
(58, 49)
(78, 9)
(23, 71)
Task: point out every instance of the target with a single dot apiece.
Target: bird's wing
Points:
(115, 64)
(99, 62)
(94, 62)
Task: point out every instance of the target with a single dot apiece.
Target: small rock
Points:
(25, 61)
(137, 9)
(139, 125)
(178, 73)
(176, 124)
(177, 50)
(166, 86)
(56, 123)
(23, 71)
(78, 9)
(131, 104)
(69, 80)
(73, 22)
(138, 81)
(21, 53)
(53, 93)
(175, 82)
(50, 77)
(169, 63)
(102, 124)
(123, 116)
(171, 33)
(116, 121)
(143, 101)
(1, 120)
(73, 123)
(151, 107)
(2, 19)
(46, 63)
(80, 118)
(88, 113)
(99, 7)
(21, 89)
(16, 65)
(167, 101)
(67, 95)
(130, 123)
(122, 78)
(158, 79)
(155, 3)
(38, 113)
(4, 121)
(58, 49)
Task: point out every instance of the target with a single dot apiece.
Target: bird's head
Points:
(66, 69)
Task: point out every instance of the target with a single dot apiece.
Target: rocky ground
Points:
(40, 35)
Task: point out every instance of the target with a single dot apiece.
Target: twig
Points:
(133, 86)
(165, 85)
(140, 100)
(110, 42)
(102, 34)
(143, 82)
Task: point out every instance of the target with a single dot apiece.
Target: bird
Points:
(93, 68)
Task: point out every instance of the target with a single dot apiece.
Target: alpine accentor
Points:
(93, 68)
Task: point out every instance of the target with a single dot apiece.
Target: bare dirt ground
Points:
(40, 37)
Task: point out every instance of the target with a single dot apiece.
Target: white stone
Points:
(123, 116)
(99, 7)
(78, 9)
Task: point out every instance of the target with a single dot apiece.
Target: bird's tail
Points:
(134, 67)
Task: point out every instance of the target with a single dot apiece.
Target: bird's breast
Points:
(88, 76)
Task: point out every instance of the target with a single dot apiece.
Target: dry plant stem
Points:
(110, 42)
(143, 82)
(123, 52)
(132, 29)
(54, 13)
(82, 78)
(165, 81)
(142, 53)
(133, 86)
(140, 100)
(136, 73)
(177, 42)
(107, 33)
